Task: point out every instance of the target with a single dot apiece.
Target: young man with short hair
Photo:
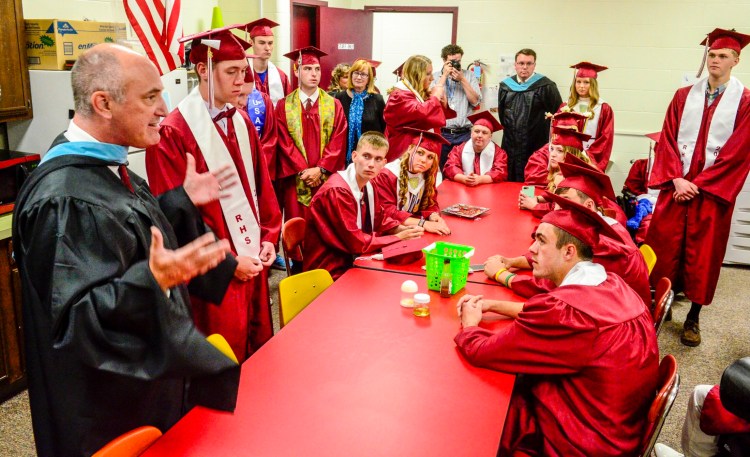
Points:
(248, 214)
(479, 160)
(345, 217)
(587, 349)
(269, 79)
(700, 166)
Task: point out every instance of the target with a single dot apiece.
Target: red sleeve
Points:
(636, 180)
(453, 165)
(334, 213)
(541, 209)
(547, 337)
(270, 138)
(404, 110)
(601, 148)
(535, 173)
(725, 178)
(716, 420)
(667, 164)
(384, 186)
(528, 286)
(289, 159)
(499, 170)
(333, 156)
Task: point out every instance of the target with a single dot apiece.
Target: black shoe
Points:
(691, 333)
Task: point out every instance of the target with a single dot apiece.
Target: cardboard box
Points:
(50, 43)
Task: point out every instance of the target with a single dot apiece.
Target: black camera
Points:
(456, 64)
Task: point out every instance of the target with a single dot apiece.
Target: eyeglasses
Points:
(359, 74)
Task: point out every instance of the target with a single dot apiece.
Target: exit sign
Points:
(349, 46)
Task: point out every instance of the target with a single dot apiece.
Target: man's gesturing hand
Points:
(171, 268)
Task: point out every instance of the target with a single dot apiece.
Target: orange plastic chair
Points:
(296, 292)
(292, 235)
(649, 256)
(664, 297)
(667, 388)
(130, 444)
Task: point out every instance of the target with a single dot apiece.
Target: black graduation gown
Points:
(106, 349)
(525, 127)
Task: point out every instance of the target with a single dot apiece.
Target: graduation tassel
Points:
(414, 152)
(210, 80)
(703, 61)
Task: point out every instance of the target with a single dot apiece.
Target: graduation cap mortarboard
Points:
(654, 136)
(309, 55)
(591, 182)
(223, 43)
(486, 119)
(568, 137)
(429, 141)
(259, 27)
(726, 39)
(572, 159)
(579, 221)
(399, 70)
(403, 252)
(587, 69)
(569, 119)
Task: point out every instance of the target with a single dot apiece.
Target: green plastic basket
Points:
(459, 256)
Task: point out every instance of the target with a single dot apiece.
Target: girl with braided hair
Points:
(407, 187)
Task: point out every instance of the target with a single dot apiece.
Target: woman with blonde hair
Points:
(339, 79)
(584, 98)
(407, 187)
(363, 106)
(413, 104)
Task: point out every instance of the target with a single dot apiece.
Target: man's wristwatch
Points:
(324, 171)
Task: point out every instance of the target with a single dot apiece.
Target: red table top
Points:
(357, 374)
(505, 229)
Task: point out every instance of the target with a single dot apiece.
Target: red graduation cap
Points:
(309, 55)
(579, 221)
(223, 43)
(587, 69)
(429, 141)
(486, 119)
(260, 27)
(569, 119)
(399, 70)
(654, 136)
(591, 182)
(572, 159)
(726, 39)
(404, 252)
(568, 137)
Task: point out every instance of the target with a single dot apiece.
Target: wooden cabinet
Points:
(12, 365)
(15, 93)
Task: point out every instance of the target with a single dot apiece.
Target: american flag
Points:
(158, 24)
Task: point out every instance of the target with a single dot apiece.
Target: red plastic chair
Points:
(130, 444)
(292, 235)
(667, 388)
(663, 298)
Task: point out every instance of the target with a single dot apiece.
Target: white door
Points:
(396, 36)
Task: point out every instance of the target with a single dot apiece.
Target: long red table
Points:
(357, 374)
(503, 230)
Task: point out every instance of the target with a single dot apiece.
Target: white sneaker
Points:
(662, 450)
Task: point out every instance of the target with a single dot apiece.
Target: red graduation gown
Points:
(269, 139)
(404, 110)
(454, 166)
(332, 238)
(244, 316)
(637, 180)
(290, 160)
(263, 86)
(690, 238)
(536, 172)
(385, 185)
(600, 149)
(620, 257)
(591, 359)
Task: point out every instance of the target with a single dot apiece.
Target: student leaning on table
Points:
(617, 254)
(587, 349)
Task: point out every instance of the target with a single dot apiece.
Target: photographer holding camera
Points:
(462, 92)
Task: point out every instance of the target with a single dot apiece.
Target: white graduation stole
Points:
(275, 89)
(722, 122)
(592, 125)
(486, 158)
(350, 176)
(238, 214)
